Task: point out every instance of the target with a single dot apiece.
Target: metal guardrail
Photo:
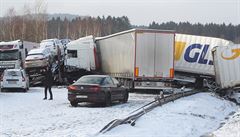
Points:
(159, 101)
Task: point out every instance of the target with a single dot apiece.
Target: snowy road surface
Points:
(26, 114)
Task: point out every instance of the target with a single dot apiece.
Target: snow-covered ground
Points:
(26, 114)
(231, 128)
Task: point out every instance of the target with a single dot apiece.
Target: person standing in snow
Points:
(48, 81)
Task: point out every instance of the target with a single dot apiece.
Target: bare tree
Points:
(40, 17)
(10, 23)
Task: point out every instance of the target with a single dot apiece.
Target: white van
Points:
(14, 79)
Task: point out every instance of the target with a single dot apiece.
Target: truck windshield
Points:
(9, 55)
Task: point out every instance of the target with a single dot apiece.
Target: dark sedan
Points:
(97, 89)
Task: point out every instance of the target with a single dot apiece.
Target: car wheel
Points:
(74, 103)
(107, 100)
(125, 98)
(24, 90)
(3, 90)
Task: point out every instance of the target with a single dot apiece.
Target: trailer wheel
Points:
(107, 99)
(199, 83)
(74, 103)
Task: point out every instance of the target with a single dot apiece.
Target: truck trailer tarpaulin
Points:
(138, 54)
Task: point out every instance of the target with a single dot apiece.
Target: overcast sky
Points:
(143, 12)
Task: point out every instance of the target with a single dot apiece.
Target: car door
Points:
(119, 91)
(109, 86)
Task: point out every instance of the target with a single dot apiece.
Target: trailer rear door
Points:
(154, 55)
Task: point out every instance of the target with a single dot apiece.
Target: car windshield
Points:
(9, 55)
(12, 73)
(90, 80)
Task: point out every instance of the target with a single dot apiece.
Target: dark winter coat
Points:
(48, 80)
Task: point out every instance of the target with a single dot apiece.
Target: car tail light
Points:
(95, 88)
(72, 87)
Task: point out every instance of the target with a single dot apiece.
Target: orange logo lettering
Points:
(236, 53)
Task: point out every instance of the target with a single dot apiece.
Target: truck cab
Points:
(11, 55)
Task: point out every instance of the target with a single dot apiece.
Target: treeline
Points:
(84, 26)
(229, 32)
(34, 25)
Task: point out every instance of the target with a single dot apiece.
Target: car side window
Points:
(107, 81)
(115, 82)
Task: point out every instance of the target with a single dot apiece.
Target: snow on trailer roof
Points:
(10, 42)
(135, 30)
(81, 39)
(49, 40)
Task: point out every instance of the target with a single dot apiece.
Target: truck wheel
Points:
(199, 83)
(74, 103)
(107, 100)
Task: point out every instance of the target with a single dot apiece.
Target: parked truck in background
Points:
(139, 58)
(13, 53)
(193, 57)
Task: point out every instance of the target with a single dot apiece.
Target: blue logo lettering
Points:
(193, 59)
(188, 51)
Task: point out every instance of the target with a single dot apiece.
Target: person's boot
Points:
(45, 98)
(50, 98)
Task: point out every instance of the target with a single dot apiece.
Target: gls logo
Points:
(235, 54)
(179, 49)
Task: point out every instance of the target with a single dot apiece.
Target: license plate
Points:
(81, 96)
(12, 82)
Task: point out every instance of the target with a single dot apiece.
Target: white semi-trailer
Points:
(193, 57)
(13, 53)
(227, 70)
(140, 58)
(227, 66)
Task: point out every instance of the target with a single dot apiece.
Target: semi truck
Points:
(139, 58)
(193, 58)
(13, 53)
(226, 62)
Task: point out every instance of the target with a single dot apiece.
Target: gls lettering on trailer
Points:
(198, 56)
(235, 54)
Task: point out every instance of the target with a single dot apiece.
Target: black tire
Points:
(24, 90)
(108, 101)
(74, 103)
(125, 97)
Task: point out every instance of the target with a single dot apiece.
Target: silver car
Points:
(14, 79)
(38, 58)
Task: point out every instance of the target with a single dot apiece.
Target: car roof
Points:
(100, 76)
(49, 40)
(34, 51)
